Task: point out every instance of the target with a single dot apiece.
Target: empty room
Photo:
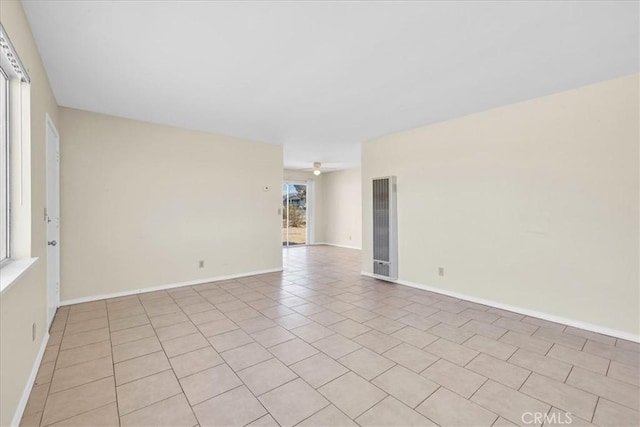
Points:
(319, 213)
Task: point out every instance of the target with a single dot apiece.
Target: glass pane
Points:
(294, 214)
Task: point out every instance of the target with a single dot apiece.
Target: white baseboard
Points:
(22, 404)
(527, 312)
(168, 286)
(338, 246)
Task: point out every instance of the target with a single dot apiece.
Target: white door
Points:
(53, 220)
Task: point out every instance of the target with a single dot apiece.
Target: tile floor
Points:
(320, 345)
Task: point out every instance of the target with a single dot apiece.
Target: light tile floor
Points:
(321, 345)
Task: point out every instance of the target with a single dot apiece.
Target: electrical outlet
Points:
(33, 332)
(440, 271)
(201, 263)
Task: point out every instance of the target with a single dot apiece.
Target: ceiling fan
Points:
(317, 169)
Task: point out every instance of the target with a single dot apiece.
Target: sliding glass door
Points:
(294, 214)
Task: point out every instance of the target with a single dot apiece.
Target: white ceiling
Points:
(322, 77)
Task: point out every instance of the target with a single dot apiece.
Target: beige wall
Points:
(534, 205)
(342, 208)
(25, 303)
(141, 204)
(316, 221)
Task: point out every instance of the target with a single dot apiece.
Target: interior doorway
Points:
(294, 214)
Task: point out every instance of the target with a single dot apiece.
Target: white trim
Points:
(169, 286)
(527, 312)
(18, 69)
(14, 270)
(309, 211)
(49, 122)
(22, 404)
(338, 246)
(49, 125)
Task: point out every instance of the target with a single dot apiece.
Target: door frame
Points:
(307, 212)
(49, 125)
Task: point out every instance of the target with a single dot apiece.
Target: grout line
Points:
(280, 286)
(385, 371)
(171, 367)
(201, 370)
(322, 409)
(70, 334)
(376, 402)
(136, 340)
(257, 396)
(144, 376)
(392, 347)
(546, 354)
(468, 339)
(481, 385)
(496, 420)
(465, 365)
(151, 404)
(584, 344)
(569, 374)
(113, 367)
(525, 381)
(213, 397)
(79, 385)
(55, 362)
(430, 394)
(86, 412)
(595, 408)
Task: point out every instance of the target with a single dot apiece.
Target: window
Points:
(4, 168)
(15, 192)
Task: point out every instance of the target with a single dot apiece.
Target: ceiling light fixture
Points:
(316, 168)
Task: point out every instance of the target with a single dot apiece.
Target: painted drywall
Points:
(342, 209)
(315, 212)
(142, 204)
(534, 205)
(25, 303)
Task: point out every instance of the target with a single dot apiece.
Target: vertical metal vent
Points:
(385, 242)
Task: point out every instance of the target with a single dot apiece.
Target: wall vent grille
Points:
(385, 235)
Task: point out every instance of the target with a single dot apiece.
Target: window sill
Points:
(14, 270)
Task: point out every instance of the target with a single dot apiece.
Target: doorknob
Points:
(52, 243)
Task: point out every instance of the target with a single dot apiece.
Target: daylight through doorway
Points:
(294, 214)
